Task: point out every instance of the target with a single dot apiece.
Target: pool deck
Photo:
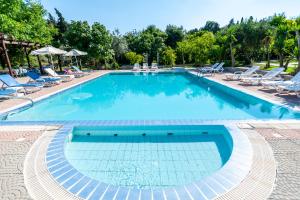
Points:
(270, 94)
(276, 144)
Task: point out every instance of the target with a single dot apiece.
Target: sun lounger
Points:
(77, 70)
(136, 67)
(75, 73)
(52, 73)
(275, 84)
(5, 93)
(46, 81)
(257, 79)
(294, 88)
(207, 69)
(145, 67)
(216, 68)
(153, 67)
(239, 74)
(12, 83)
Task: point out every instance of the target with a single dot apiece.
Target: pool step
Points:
(39, 183)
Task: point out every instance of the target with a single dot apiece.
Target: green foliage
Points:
(169, 56)
(133, 57)
(24, 20)
(149, 41)
(61, 25)
(197, 48)
(119, 45)
(237, 43)
(211, 26)
(174, 34)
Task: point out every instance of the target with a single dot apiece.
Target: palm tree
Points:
(267, 41)
(298, 39)
(231, 40)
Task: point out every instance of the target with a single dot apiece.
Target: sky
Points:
(128, 15)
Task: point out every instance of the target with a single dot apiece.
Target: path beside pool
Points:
(283, 138)
(272, 95)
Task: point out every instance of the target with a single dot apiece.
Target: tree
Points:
(61, 25)
(295, 27)
(24, 20)
(197, 47)
(169, 56)
(100, 46)
(268, 43)
(79, 36)
(283, 41)
(133, 57)
(150, 41)
(211, 26)
(231, 40)
(174, 34)
(119, 45)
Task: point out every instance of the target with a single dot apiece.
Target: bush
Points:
(133, 57)
(169, 57)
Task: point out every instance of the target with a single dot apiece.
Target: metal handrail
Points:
(15, 97)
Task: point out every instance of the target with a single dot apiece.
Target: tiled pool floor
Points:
(148, 162)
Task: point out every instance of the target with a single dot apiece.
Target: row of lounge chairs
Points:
(145, 67)
(215, 68)
(270, 80)
(11, 87)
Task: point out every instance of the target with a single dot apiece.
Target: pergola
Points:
(28, 47)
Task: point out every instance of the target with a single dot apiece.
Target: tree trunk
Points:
(59, 63)
(268, 58)
(280, 60)
(232, 56)
(298, 39)
(286, 64)
(183, 61)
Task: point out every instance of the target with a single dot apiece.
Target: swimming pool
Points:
(152, 96)
(114, 161)
(148, 157)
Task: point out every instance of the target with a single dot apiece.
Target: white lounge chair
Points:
(153, 67)
(207, 69)
(240, 74)
(258, 78)
(136, 67)
(79, 71)
(52, 73)
(275, 84)
(145, 67)
(295, 88)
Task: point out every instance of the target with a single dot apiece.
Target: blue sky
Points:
(127, 15)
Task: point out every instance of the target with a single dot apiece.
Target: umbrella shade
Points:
(49, 50)
(75, 52)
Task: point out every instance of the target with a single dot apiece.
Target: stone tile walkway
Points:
(14, 145)
(286, 149)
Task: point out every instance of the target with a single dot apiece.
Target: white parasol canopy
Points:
(49, 50)
(75, 53)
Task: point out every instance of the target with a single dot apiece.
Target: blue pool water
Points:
(159, 96)
(148, 158)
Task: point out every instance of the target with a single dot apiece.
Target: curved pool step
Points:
(258, 184)
(38, 181)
